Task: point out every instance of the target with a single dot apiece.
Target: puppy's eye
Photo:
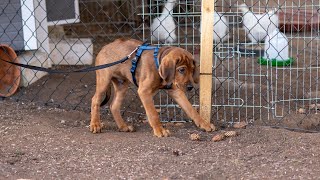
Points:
(182, 70)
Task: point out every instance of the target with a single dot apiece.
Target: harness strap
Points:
(155, 56)
(135, 60)
(134, 63)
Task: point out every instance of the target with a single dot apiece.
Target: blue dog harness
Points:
(135, 61)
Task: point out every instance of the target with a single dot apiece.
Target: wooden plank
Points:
(206, 55)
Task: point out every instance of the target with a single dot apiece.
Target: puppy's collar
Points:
(168, 86)
(163, 52)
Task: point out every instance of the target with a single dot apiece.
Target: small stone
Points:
(230, 133)
(312, 106)
(218, 137)
(195, 137)
(302, 111)
(240, 125)
(62, 121)
(168, 124)
(176, 153)
(179, 124)
(76, 123)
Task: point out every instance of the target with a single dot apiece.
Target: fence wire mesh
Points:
(68, 34)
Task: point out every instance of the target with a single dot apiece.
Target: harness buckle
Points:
(134, 64)
(134, 60)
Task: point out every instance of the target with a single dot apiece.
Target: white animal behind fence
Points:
(220, 28)
(163, 28)
(257, 26)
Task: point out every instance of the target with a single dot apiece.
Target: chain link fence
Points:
(265, 65)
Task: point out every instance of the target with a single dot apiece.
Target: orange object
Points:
(9, 74)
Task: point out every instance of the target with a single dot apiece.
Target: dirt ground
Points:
(40, 142)
(45, 134)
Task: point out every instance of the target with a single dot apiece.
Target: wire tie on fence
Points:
(205, 73)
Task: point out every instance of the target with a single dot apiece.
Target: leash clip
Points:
(133, 51)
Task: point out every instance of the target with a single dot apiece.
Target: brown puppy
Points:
(177, 67)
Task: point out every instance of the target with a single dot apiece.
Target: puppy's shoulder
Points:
(121, 44)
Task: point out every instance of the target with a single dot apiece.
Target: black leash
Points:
(140, 49)
(54, 71)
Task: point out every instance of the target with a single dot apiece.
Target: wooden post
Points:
(206, 57)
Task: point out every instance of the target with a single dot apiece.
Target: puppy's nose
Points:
(189, 87)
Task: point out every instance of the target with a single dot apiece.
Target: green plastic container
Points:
(276, 50)
(275, 62)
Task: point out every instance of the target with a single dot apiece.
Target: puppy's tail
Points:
(107, 97)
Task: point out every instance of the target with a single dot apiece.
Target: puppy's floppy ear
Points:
(196, 72)
(167, 69)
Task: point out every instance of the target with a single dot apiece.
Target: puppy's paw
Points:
(127, 129)
(207, 127)
(96, 127)
(161, 132)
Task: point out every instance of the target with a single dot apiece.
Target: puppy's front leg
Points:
(180, 97)
(153, 116)
(103, 81)
(95, 123)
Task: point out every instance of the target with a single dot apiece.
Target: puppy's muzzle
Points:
(189, 87)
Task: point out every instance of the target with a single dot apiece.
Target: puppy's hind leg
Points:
(103, 83)
(120, 89)
(107, 97)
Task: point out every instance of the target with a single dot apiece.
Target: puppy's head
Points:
(179, 68)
